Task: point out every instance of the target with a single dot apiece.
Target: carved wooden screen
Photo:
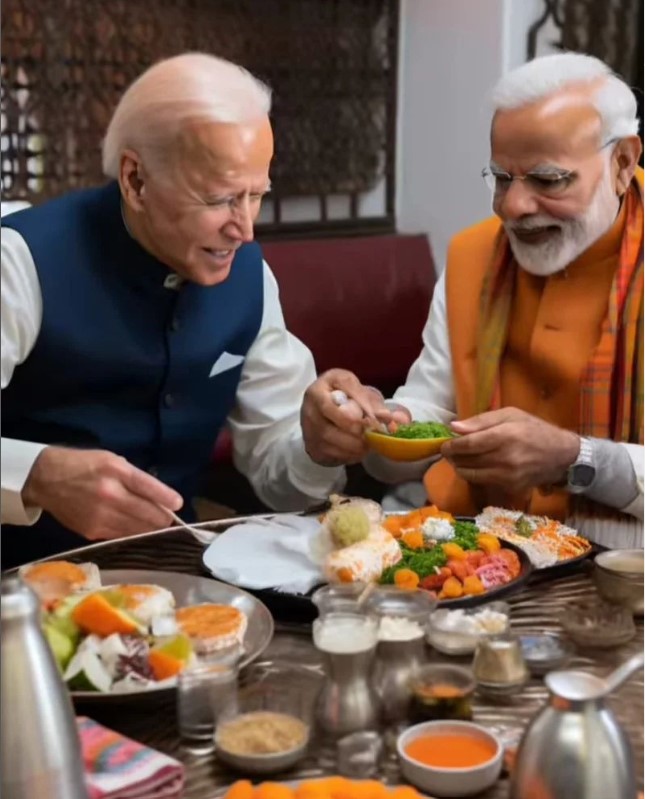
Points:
(612, 30)
(331, 63)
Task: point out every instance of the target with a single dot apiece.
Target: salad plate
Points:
(189, 590)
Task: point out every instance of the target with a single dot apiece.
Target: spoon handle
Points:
(618, 677)
(180, 522)
(339, 399)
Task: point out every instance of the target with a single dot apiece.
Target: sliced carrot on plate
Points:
(164, 665)
(94, 614)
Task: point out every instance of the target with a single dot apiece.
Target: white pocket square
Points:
(225, 362)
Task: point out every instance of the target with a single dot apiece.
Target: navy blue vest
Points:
(122, 362)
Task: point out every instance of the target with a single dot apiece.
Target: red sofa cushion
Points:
(357, 303)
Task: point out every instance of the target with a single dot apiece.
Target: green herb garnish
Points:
(466, 535)
(425, 562)
(423, 430)
(523, 527)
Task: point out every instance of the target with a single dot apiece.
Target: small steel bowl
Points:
(544, 652)
(598, 624)
(263, 764)
(618, 575)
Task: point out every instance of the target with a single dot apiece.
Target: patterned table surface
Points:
(535, 607)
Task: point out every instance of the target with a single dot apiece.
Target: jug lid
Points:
(17, 600)
(575, 686)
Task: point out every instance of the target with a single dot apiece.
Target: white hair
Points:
(192, 86)
(537, 79)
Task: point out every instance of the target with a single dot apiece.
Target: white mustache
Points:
(536, 222)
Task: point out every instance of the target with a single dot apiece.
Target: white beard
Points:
(576, 235)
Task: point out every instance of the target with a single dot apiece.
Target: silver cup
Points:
(203, 692)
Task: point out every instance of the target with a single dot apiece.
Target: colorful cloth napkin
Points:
(117, 767)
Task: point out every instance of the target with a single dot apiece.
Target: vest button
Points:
(174, 324)
(168, 400)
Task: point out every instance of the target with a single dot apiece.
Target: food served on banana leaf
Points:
(422, 430)
(544, 540)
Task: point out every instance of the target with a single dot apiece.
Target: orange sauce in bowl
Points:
(451, 750)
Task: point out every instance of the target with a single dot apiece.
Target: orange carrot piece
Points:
(406, 578)
(164, 665)
(451, 589)
(404, 792)
(473, 586)
(453, 550)
(94, 614)
(413, 540)
(273, 790)
(242, 789)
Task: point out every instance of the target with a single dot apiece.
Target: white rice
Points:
(436, 529)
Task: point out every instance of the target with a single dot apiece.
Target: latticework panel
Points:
(606, 28)
(612, 30)
(331, 65)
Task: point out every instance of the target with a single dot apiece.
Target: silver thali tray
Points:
(191, 590)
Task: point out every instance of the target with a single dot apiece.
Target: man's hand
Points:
(98, 494)
(333, 434)
(511, 449)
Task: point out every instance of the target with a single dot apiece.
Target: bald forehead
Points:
(564, 124)
(223, 146)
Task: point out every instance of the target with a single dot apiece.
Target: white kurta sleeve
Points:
(636, 453)
(428, 392)
(268, 446)
(20, 320)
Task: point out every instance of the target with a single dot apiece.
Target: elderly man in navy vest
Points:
(139, 317)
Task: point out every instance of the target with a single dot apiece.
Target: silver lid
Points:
(17, 600)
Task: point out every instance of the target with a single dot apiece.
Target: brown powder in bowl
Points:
(261, 733)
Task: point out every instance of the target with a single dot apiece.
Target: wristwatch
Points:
(582, 473)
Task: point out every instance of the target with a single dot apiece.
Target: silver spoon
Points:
(339, 399)
(206, 536)
(619, 675)
(581, 685)
(181, 523)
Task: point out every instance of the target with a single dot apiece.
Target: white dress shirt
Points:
(429, 393)
(265, 422)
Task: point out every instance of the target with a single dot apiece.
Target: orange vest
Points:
(554, 327)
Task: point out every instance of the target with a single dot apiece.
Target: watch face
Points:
(582, 475)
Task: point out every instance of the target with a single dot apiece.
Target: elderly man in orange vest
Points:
(533, 349)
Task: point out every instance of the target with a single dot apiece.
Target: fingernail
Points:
(339, 397)
(177, 502)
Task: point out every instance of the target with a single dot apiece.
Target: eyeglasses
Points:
(546, 182)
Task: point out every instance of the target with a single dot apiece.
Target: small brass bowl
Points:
(404, 449)
(618, 575)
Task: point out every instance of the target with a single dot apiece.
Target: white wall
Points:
(452, 52)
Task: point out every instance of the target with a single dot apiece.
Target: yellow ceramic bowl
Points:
(403, 449)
